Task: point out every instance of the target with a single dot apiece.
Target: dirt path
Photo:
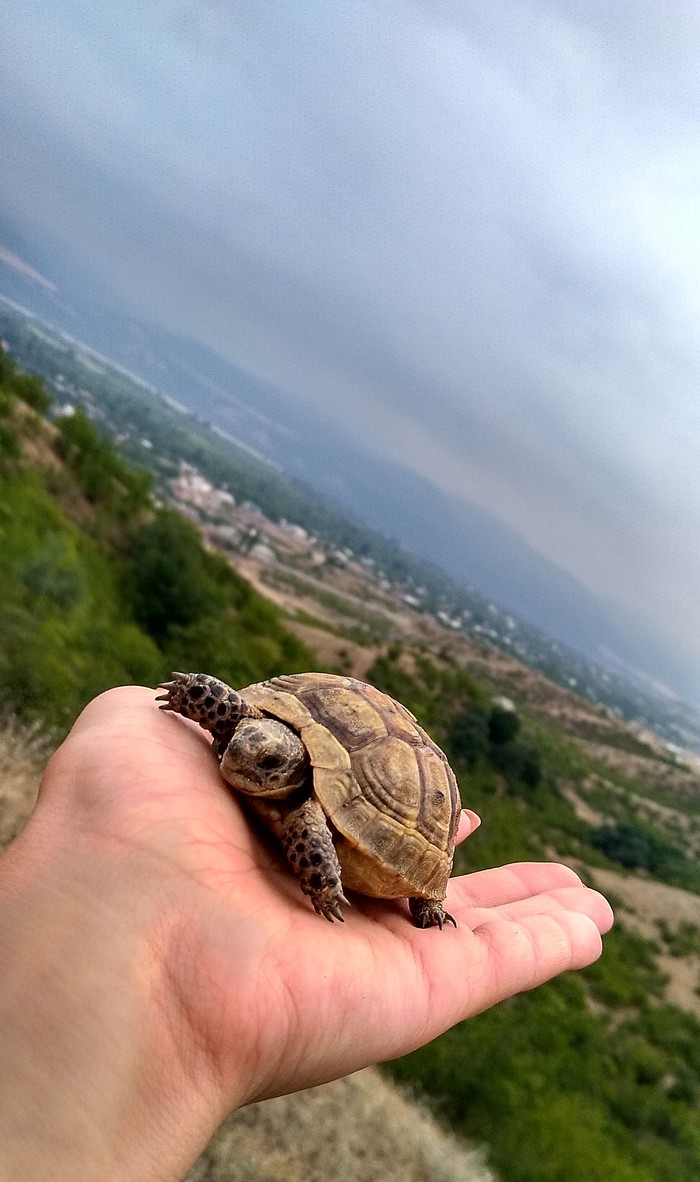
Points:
(642, 902)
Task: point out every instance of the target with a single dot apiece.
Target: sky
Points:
(469, 232)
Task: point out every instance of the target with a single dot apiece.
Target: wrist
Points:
(99, 1076)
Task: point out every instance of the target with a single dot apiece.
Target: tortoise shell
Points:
(385, 786)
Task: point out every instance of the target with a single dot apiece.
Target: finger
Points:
(580, 899)
(133, 702)
(506, 884)
(501, 957)
(468, 823)
(120, 742)
(526, 953)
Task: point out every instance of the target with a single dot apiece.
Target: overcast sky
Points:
(468, 230)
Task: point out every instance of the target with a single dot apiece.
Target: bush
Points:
(171, 587)
(637, 848)
(503, 725)
(104, 476)
(32, 390)
(628, 974)
(518, 762)
(468, 737)
(54, 570)
(9, 443)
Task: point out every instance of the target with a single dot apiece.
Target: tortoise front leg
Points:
(308, 845)
(206, 700)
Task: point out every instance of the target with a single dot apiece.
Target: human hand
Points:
(189, 975)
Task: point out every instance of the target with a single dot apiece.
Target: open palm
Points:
(251, 978)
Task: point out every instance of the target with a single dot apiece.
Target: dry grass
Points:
(23, 753)
(335, 651)
(649, 769)
(359, 1129)
(581, 807)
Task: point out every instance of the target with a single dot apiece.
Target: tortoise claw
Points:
(331, 908)
(170, 687)
(428, 913)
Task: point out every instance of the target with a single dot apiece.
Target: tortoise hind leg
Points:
(428, 912)
(308, 845)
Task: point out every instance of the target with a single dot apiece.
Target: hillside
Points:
(101, 585)
(594, 1076)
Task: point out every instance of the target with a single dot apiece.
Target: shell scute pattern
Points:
(378, 767)
(384, 784)
(352, 716)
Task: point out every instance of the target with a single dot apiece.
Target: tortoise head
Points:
(265, 758)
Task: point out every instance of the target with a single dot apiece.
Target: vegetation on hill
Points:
(100, 587)
(136, 411)
(591, 1077)
(563, 1094)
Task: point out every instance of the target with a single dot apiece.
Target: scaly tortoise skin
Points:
(355, 790)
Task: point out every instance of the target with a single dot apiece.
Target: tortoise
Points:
(353, 788)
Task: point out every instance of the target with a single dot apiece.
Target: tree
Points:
(503, 725)
(171, 585)
(468, 736)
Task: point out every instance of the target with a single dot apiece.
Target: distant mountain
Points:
(468, 543)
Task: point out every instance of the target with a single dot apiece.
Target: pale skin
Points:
(160, 967)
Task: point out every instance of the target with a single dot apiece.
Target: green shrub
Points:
(637, 848)
(627, 975)
(681, 940)
(518, 762)
(32, 390)
(54, 570)
(105, 478)
(503, 725)
(9, 443)
(170, 584)
(468, 737)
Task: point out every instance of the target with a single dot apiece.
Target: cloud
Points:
(468, 231)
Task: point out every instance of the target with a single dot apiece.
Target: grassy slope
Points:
(99, 586)
(596, 1075)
